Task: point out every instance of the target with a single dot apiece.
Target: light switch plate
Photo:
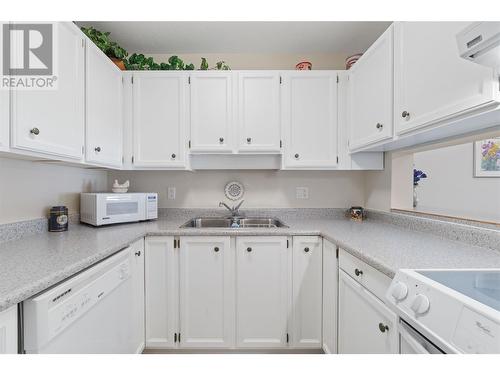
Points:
(171, 192)
(302, 192)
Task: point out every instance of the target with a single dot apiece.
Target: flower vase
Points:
(415, 198)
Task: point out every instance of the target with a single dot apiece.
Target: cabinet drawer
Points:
(375, 281)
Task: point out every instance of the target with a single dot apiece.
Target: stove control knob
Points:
(399, 291)
(420, 304)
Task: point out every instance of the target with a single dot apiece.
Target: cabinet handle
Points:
(358, 272)
(216, 249)
(249, 249)
(97, 149)
(173, 156)
(379, 126)
(306, 249)
(296, 156)
(383, 327)
(406, 115)
(35, 131)
(249, 140)
(138, 254)
(221, 140)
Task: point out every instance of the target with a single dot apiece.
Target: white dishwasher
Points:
(89, 313)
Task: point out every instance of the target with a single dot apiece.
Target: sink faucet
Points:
(234, 210)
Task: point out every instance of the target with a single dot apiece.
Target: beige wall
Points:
(377, 186)
(28, 189)
(205, 189)
(260, 61)
(451, 188)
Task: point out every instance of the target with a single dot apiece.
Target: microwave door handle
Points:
(418, 347)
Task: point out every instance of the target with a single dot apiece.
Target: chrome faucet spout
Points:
(234, 210)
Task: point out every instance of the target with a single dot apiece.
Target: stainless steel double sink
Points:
(236, 222)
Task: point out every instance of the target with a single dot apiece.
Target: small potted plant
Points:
(116, 53)
(417, 176)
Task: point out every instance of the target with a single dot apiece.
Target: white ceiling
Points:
(243, 37)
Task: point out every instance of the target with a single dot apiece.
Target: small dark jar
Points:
(58, 219)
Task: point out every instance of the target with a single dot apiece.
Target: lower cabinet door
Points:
(366, 325)
(307, 293)
(137, 257)
(8, 331)
(206, 292)
(262, 291)
(330, 287)
(162, 297)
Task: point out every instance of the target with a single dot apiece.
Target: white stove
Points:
(448, 311)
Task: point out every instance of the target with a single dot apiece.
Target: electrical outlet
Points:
(302, 192)
(171, 192)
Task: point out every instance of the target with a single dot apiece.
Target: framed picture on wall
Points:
(487, 158)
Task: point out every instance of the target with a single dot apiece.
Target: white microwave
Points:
(111, 208)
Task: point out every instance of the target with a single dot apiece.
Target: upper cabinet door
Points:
(262, 291)
(371, 94)
(160, 119)
(211, 112)
(206, 292)
(104, 131)
(259, 112)
(307, 291)
(4, 110)
(432, 83)
(52, 121)
(309, 113)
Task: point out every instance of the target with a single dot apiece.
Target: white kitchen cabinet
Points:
(330, 288)
(259, 111)
(211, 112)
(160, 119)
(263, 284)
(4, 110)
(8, 331)
(371, 94)
(307, 292)
(138, 318)
(365, 324)
(104, 121)
(162, 292)
(309, 115)
(206, 292)
(432, 83)
(51, 121)
(4, 119)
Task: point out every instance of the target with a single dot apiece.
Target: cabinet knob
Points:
(97, 149)
(221, 140)
(249, 249)
(296, 156)
(249, 140)
(379, 126)
(358, 272)
(306, 249)
(138, 254)
(405, 115)
(216, 249)
(35, 131)
(173, 156)
(383, 327)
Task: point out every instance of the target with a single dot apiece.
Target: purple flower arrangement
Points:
(417, 176)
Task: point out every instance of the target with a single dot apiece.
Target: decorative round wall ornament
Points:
(234, 190)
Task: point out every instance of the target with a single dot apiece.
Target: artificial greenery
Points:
(139, 61)
(102, 40)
